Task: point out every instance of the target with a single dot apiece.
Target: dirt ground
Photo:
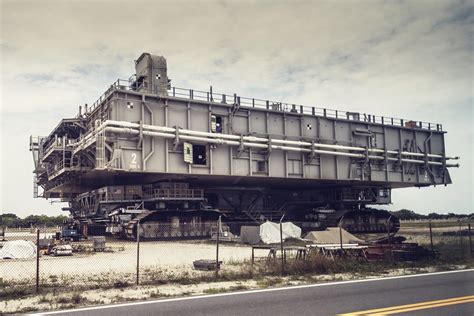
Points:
(121, 257)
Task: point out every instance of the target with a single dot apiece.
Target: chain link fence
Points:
(168, 253)
(161, 254)
(450, 240)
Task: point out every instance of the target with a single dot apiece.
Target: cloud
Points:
(410, 59)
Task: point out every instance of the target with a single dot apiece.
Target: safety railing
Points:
(148, 194)
(297, 108)
(57, 167)
(177, 230)
(174, 194)
(209, 96)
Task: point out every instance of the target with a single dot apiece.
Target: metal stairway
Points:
(100, 151)
(129, 228)
(35, 186)
(259, 216)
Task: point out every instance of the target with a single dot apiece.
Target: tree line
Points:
(405, 214)
(12, 220)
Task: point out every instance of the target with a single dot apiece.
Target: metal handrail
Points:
(147, 194)
(207, 96)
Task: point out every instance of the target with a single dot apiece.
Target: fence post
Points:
(340, 232)
(431, 236)
(217, 244)
(389, 237)
(281, 246)
(37, 258)
(138, 252)
(253, 255)
(460, 238)
(470, 238)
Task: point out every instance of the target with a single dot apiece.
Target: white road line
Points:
(78, 310)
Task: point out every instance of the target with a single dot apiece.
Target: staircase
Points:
(274, 213)
(129, 228)
(35, 186)
(100, 151)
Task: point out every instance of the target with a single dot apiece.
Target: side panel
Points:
(159, 155)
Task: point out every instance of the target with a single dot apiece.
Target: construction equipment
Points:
(70, 235)
(149, 146)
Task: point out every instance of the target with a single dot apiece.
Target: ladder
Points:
(100, 151)
(35, 186)
(235, 108)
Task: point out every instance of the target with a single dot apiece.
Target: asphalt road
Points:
(450, 293)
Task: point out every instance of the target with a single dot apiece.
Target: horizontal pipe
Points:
(161, 131)
(132, 131)
(277, 141)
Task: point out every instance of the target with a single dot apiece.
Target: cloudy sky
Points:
(411, 59)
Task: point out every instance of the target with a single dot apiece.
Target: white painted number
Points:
(134, 158)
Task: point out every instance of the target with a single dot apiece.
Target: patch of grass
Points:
(28, 309)
(44, 299)
(118, 298)
(239, 287)
(156, 294)
(213, 290)
(120, 284)
(15, 291)
(74, 299)
(269, 282)
(77, 298)
(63, 300)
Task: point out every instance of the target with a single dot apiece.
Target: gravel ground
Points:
(121, 258)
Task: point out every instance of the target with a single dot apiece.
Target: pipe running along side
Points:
(258, 142)
(276, 141)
